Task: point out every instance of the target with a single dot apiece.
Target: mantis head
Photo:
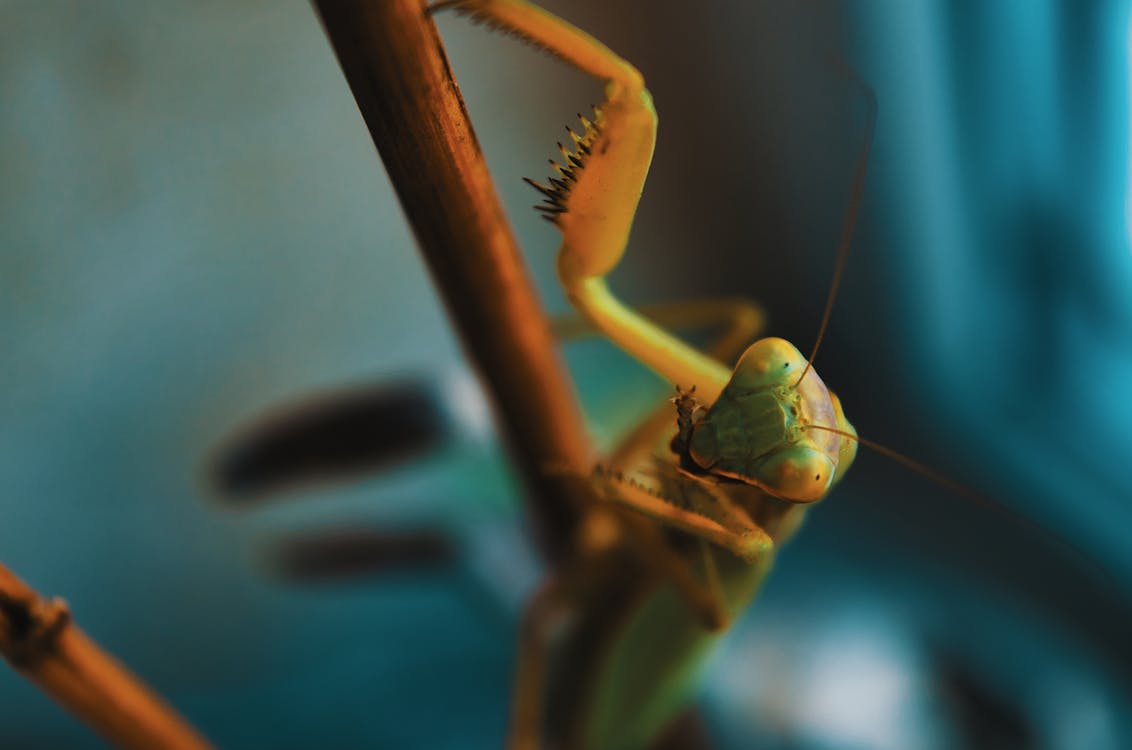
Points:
(758, 430)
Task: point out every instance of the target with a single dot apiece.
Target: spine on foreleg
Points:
(600, 203)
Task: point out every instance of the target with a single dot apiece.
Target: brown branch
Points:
(39, 640)
(394, 62)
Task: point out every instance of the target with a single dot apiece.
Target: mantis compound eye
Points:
(801, 474)
(756, 431)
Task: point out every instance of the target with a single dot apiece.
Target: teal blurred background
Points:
(195, 228)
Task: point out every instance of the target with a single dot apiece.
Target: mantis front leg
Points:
(594, 196)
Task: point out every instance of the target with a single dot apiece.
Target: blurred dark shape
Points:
(329, 437)
(985, 718)
(344, 554)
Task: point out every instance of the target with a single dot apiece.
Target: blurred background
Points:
(195, 229)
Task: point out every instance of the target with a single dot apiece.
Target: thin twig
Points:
(39, 640)
(394, 62)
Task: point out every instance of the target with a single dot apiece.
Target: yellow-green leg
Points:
(593, 198)
(735, 533)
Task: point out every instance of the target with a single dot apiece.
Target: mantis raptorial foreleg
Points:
(733, 530)
(594, 197)
(741, 319)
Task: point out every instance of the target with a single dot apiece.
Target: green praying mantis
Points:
(696, 530)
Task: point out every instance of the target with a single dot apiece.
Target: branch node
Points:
(30, 629)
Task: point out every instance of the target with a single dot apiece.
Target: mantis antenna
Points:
(835, 284)
(850, 216)
(962, 490)
(909, 463)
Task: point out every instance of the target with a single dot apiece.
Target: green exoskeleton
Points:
(694, 529)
